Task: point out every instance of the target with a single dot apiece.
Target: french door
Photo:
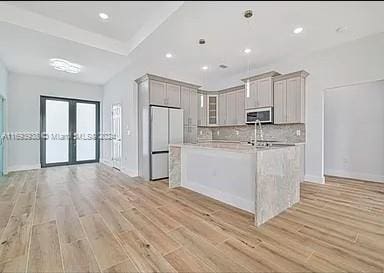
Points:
(69, 131)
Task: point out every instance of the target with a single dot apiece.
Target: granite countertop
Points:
(232, 146)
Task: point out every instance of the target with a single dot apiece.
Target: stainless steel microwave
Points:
(262, 114)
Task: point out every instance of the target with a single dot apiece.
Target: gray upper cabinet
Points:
(157, 92)
(193, 107)
(202, 109)
(222, 116)
(280, 99)
(264, 93)
(164, 94)
(260, 90)
(231, 108)
(173, 95)
(251, 95)
(240, 104)
(289, 98)
(231, 118)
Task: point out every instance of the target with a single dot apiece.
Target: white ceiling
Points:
(137, 36)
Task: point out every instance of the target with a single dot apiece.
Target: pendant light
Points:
(247, 15)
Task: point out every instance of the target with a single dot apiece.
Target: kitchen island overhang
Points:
(264, 181)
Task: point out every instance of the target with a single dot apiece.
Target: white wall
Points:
(3, 93)
(354, 62)
(24, 112)
(3, 80)
(122, 90)
(354, 131)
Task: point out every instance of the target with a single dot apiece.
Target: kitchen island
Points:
(262, 180)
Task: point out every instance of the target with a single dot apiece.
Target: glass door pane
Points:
(57, 130)
(85, 131)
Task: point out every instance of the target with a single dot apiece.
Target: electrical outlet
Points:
(218, 132)
(237, 132)
(201, 132)
(298, 132)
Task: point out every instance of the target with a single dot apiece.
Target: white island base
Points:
(263, 181)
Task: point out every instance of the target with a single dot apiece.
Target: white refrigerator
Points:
(166, 128)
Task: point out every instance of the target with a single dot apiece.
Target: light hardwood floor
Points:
(91, 218)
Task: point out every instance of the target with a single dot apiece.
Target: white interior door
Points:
(116, 131)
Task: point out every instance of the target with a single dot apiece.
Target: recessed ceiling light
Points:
(64, 65)
(168, 55)
(103, 16)
(341, 29)
(247, 50)
(205, 67)
(298, 30)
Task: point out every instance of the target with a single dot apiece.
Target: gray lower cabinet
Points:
(289, 98)
(164, 94)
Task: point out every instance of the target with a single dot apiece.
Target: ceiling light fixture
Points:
(65, 66)
(298, 30)
(103, 16)
(168, 55)
(341, 29)
(205, 67)
(247, 50)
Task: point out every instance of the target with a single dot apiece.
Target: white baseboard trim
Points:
(106, 162)
(126, 171)
(130, 172)
(16, 168)
(354, 175)
(314, 179)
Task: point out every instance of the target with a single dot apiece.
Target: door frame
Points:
(72, 130)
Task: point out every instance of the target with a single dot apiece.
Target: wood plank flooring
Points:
(92, 218)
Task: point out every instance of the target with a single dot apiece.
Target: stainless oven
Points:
(262, 114)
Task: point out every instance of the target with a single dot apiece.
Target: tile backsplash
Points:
(285, 133)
